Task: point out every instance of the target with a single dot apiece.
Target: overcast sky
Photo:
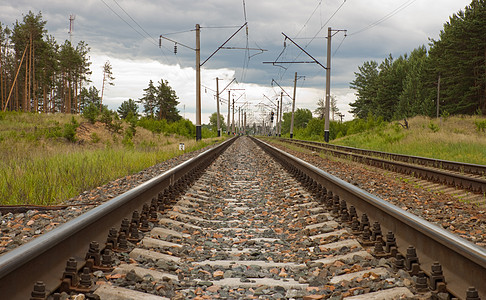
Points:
(126, 32)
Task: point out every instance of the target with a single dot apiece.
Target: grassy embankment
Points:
(39, 165)
(459, 138)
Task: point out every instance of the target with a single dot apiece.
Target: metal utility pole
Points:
(217, 107)
(328, 85)
(229, 110)
(198, 83)
(276, 120)
(328, 73)
(198, 69)
(280, 113)
(244, 125)
(233, 118)
(293, 108)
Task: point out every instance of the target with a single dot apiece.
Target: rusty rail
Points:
(44, 258)
(463, 263)
(409, 165)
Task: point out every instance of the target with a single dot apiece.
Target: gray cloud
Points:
(107, 33)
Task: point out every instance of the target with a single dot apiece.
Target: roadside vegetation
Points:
(457, 138)
(48, 158)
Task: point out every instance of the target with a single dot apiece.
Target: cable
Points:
(123, 19)
(339, 46)
(391, 14)
(305, 24)
(148, 35)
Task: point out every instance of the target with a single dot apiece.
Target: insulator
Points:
(175, 49)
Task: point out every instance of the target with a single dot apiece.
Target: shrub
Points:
(91, 113)
(480, 125)
(70, 130)
(434, 127)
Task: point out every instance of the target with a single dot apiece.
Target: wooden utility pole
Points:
(293, 108)
(217, 107)
(15, 79)
(198, 83)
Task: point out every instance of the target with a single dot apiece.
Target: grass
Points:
(454, 138)
(39, 166)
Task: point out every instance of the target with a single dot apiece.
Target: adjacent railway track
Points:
(464, 176)
(232, 223)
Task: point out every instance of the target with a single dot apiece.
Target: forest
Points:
(452, 72)
(39, 75)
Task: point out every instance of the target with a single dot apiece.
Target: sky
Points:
(127, 32)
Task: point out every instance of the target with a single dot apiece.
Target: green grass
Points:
(455, 139)
(48, 180)
(38, 167)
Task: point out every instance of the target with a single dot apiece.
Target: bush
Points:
(480, 125)
(70, 130)
(434, 127)
(91, 113)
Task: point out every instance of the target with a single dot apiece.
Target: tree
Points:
(365, 84)
(128, 108)
(166, 100)
(302, 116)
(107, 79)
(36, 74)
(89, 96)
(160, 101)
(320, 111)
(213, 122)
(149, 100)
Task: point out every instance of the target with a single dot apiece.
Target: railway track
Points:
(469, 177)
(246, 229)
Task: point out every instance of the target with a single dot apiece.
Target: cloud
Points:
(126, 32)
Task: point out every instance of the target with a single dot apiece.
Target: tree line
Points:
(453, 70)
(36, 73)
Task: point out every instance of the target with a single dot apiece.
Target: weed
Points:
(434, 127)
(480, 125)
(95, 137)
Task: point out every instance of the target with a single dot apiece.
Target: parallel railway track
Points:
(236, 229)
(471, 177)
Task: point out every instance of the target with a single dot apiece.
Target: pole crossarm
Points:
(269, 100)
(220, 47)
(234, 79)
(273, 80)
(299, 62)
(166, 38)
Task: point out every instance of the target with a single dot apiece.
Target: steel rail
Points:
(44, 258)
(476, 185)
(463, 263)
(467, 168)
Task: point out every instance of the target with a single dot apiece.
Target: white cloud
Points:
(137, 59)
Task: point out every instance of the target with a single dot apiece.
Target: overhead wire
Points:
(388, 16)
(315, 36)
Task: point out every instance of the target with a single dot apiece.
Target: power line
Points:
(388, 16)
(123, 19)
(312, 14)
(319, 31)
(148, 35)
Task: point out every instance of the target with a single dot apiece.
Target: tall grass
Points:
(453, 138)
(48, 180)
(38, 165)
